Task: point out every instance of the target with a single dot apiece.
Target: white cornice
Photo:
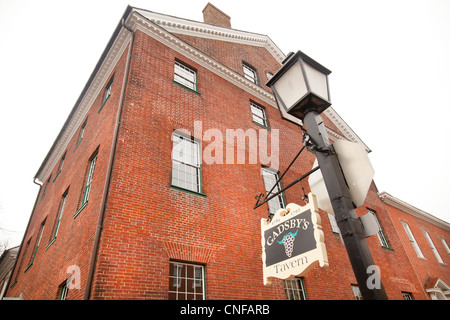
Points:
(204, 30)
(344, 128)
(406, 207)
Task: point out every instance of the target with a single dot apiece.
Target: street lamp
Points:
(301, 85)
(301, 91)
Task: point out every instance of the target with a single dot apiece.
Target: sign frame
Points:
(283, 256)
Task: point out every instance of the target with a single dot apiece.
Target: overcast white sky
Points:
(390, 81)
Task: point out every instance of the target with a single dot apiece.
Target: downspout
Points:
(98, 232)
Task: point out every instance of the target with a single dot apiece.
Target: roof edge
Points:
(410, 209)
(127, 12)
(201, 29)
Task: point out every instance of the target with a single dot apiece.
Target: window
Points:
(270, 178)
(63, 290)
(186, 281)
(45, 188)
(250, 74)
(445, 245)
(186, 161)
(412, 240)
(433, 248)
(88, 182)
(107, 92)
(81, 134)
(259, 115)
(334, 225)
(36, 245)
(356, 292)
(61, 162)
(381, 236)
(295, 289)
(185, 76)
(24, 254)
(58, 217)
(407, 295)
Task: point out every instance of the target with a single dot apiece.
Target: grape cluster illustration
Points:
(288, 242)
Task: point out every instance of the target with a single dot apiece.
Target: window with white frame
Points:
(445, 245)
(87, 185)
(407, 295)
(270, 180)
(186, 160)
(186, 281)
(63, 290)
(185, 76)
(412, 240)
(81, 134)
(433, 248)
(22, 260)
(89, 179)
(108, 89)
(46, 187)
(107, 92)
(295, 289)
(381, 235)
(59, 215)
(357, 292)
(259, 115)
(60, 166)
(250, 74)
(36, 245)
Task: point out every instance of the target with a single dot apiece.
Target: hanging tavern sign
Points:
(293, 241)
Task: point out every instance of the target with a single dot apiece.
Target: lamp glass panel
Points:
(291, 86)
(317, 81)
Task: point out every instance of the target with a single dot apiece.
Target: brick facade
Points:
(77, 229)
(427, 268)
(144, 222)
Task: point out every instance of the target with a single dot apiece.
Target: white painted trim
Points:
(207, 31)
(344, 128)
(440, 290)
(406, 207)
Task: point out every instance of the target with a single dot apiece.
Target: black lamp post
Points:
(301, 91)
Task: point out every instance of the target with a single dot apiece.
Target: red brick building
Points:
(148, 191)
(425, 239)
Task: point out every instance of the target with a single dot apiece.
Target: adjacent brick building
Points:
(145, 193)
(425, 239)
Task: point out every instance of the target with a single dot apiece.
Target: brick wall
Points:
(73, 244)
(426, 268)
(148, 222)
(396, 272)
